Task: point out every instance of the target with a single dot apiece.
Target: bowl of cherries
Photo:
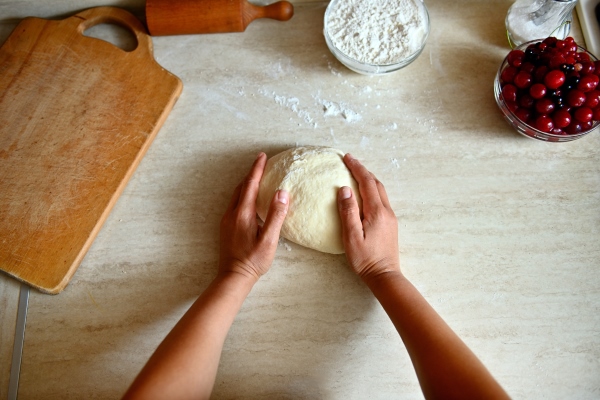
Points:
(548, 90)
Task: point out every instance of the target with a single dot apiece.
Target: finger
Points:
(250, 184)
(383, 194)
(275, 217)
(352, 229)
(367, 185)
(234, 198)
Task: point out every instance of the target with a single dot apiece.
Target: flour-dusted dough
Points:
(312, 175)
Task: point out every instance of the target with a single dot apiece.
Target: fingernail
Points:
(259, 155)
(346, 193)
(350, 156)
(282, 196)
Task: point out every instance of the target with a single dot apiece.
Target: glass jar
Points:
(528, 20)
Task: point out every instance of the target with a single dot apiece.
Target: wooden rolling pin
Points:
(167, 17)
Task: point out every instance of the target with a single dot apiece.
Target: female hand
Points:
(371, 243)
(245, 247)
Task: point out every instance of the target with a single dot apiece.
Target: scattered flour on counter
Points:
(428, 123)
(333, 109)
(335, 141)
(330, 109)
(351, 116)
(333, 70)
(279, 69)
(291, 103)
(364, 142)
(377, 31)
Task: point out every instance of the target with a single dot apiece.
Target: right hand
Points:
(247, 248)
(371, 244)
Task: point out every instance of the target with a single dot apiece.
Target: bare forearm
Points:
(445, 366)
(185, 364)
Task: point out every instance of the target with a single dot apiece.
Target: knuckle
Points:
(369, 178)
(249, 181)
(381, 214)
(278, 213)
(347, 208)
(268, 241)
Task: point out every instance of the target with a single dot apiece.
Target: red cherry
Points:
(528, 67)
(583, 57)
(587, 125)
(583, 114)
(570, 59)
(545, 58)
(592, 99)
(537, 90)
(596, 114)
(556, 61)
(544, 106)
(576, 98)
(588, 82)
(573, 128)
(587, 67)
(557, 131)
(523, 114)
(561, 118)
(554, 79)
(508, 74)
(539, 73)
(526, 101)
(550, 41)
(544, 123)
(515, 58)
(512, 106)
(509, 92)
(522, 80)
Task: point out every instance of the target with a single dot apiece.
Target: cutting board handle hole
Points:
(119, 36)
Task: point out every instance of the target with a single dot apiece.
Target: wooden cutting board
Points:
(77, 114)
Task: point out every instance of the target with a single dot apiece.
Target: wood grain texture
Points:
(77, 114)
(165, 17)
(9, 304)
(499, 232)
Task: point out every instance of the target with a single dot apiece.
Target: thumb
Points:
(275, 216)
(352, 228)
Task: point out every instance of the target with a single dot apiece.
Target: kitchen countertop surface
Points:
(499, 232)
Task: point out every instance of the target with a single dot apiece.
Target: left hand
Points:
(245, 247)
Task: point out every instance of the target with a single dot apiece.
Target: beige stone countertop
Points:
(499, 232)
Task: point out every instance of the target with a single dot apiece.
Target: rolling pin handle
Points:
(281, 11)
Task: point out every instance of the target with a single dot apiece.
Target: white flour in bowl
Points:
(377, 32)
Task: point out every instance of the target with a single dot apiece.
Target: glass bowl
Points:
(378, 69)
(522, 127)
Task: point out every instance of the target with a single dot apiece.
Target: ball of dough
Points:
(312, 175)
